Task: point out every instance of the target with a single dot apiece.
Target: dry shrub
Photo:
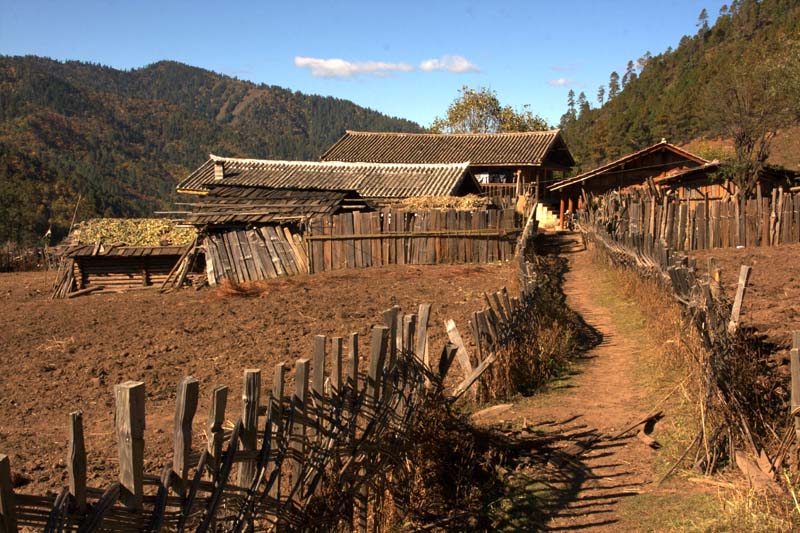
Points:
(541, 339)
(448, 479)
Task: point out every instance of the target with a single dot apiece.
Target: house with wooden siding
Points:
(501, 162)
(633, 170)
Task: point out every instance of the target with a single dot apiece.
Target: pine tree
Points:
(702, 21)
(601, 93)
(571, 101)
(629, 71)
(613, 85)
(583, 105)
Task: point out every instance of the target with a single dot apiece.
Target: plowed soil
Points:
(772, 299)
(67, 355)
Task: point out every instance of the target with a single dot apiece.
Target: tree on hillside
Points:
(613, 85)
(748, 100)
(571, 101)
(601, 93)
(583, 105)
(702, 21)
(480, 111)
(630, 74)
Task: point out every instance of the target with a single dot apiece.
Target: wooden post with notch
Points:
(216, 416)
(8, 507)
(129, 424)
(76, 463)
(249, 435)
(185, 409)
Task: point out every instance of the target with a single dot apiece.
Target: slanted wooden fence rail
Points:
(686, 225)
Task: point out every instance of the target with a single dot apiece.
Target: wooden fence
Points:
(316, 457)
(360, 240)
(699, 225)
(357, 240)
(716, 320)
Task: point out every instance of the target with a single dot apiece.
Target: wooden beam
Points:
(130, 424)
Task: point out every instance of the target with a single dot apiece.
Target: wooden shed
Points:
(115, 268)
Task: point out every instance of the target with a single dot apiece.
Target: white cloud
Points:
(561, 82)
(455, 64)
(339, 68)
(571, 67)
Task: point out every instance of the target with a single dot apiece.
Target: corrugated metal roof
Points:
(481, 149)
(663, 145)
(370, 180)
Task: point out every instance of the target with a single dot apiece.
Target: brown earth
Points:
(64, 355)
(772, 299)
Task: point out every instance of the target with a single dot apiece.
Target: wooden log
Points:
(216, 416)
(8, 507)
(472, 378)
(76, 462)
(744, 275)
(87, 290)
(249, 435)
(185, 408)
(129, 423)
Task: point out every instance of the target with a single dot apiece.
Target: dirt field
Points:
(61, 356)
(772, 301)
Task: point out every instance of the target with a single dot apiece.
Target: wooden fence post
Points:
(8, 509)
(130, 423)
(185, 409)
(336, 366)
(299, 424)
(249, 436)
(76, 463)
(216, 416)
(794, 357)
(278, 385)
(744, 275)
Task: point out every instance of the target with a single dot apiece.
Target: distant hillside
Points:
(663, 96)
(122, 139)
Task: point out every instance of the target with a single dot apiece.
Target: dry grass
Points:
(460, 203)
(133, 232)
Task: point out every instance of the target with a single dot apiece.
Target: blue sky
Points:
(405, 58)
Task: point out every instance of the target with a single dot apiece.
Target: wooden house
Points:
(632, 170)
(503, 163)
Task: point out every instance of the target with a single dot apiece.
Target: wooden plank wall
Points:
(389, 237)
(689, 224)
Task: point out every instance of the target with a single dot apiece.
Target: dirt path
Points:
(600, 398)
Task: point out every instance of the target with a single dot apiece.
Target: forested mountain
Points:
(122, 139)
(674, 94)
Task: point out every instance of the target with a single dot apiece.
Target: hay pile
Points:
(132, 232)
(459, 203)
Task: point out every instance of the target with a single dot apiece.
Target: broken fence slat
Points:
(461, 354)
(479, 370)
